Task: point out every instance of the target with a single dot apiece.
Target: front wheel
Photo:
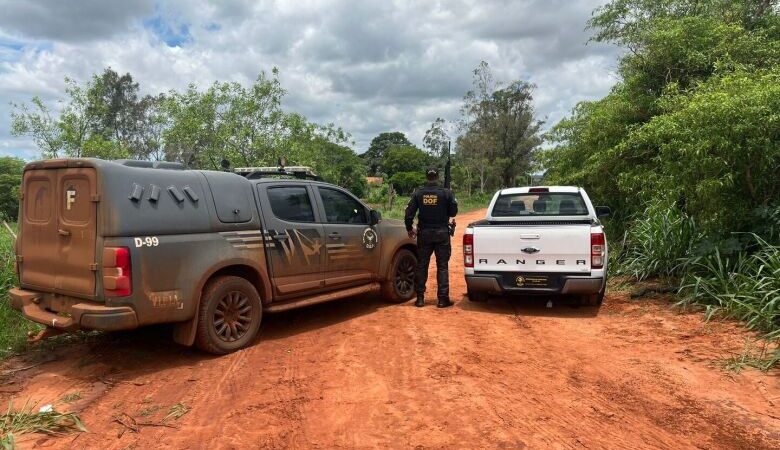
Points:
(591, 299)
(399, 287)
(229, 315)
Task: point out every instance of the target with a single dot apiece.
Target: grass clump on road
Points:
(25, 420)
(13, 327)
(72, 397)
(176, 412)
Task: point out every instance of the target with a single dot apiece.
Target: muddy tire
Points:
(591, 299)
(229, 315)
(478, 297)
(400, 287)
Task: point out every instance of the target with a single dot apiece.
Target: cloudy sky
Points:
(366, 65)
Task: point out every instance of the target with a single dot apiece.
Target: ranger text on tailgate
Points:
(538, 240)
(117, 245)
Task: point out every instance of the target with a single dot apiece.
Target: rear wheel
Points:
(591, 299)
(400, 287)
(229, 315)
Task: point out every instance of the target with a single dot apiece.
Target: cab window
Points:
(291, 203)
(540, 204)
(341, 208)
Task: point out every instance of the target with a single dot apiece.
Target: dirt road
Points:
(362, 374)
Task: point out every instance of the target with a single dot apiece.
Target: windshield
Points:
(542, 204)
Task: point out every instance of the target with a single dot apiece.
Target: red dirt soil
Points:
(359, 373)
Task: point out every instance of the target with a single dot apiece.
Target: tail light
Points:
(597, 250)
(117, 277)
(468, 250)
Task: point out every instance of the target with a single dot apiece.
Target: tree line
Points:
(108, 118)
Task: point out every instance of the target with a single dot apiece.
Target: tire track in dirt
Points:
(359, 373)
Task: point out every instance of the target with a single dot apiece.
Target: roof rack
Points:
(253, 173)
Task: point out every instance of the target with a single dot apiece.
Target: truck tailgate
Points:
(58, 230)
(521, 248)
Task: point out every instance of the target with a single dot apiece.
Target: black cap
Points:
(432, 171)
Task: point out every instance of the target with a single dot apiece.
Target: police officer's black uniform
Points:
(436, 205)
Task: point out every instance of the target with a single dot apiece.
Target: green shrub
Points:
(406, 182)
(10, 179)
(377, 194)
(745, 287)
(398, 209)
(658, 243)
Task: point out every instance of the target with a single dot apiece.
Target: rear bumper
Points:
(496, 284)
(71, 314)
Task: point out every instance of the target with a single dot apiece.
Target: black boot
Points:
(444, 303)
(420, 301)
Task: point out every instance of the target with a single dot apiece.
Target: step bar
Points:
(322, 298)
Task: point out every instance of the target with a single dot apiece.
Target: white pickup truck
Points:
(538, 240)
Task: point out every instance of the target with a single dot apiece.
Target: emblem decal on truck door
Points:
(370, 238)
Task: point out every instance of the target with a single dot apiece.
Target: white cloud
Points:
(368, 66)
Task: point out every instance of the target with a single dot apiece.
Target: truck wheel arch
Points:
(387, 262)
(184, 332)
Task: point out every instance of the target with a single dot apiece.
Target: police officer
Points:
(436, 205)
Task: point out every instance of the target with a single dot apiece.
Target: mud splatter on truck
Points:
(117, 245)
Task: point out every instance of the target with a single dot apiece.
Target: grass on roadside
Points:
(763, 359)
(13, 327)
(465, 204)
(746, 288)
(658, 244)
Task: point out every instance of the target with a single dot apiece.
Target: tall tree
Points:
(379, 145)
(405, 158)
(436, 138)
(475, 144)
(515, 128)
(226, 121)
(37, 122)
(499, 129)
(113, 106)
(104, 118)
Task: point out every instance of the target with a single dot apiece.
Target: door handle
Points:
(335, 236)
(63, 232)
(280, 237)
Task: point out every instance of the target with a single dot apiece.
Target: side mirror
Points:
(374, 217)
(603, 211)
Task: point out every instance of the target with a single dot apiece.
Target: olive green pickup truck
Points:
(117, 245)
